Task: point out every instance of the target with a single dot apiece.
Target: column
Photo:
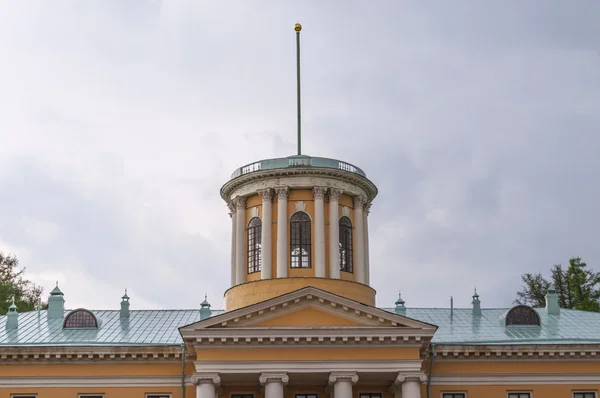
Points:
(319, 195)
(366, 233)
(410, 384)
(282, 232)
(233, 233)
(206, 384)
(273, 383)
(342, 383)
(334, 233)
(267, 221)
(359, 239)
(240, 246)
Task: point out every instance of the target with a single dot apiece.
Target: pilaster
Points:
(240, 247)
(359, 238)
(266, 233)
(233, 234)
(282, 231)
(334, 233)
(319, 195)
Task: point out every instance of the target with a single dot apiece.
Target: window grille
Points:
(300, 240)
(345, 244)
(80, 319)
(254, 245)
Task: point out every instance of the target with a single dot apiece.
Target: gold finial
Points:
(297, 27)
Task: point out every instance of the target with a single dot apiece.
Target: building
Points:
(300, 319)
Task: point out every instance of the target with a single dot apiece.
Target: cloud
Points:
(119, 122)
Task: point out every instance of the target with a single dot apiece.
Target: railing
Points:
(297, 161)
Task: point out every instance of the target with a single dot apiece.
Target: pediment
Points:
(308, 308)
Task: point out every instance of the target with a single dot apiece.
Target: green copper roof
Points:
(297, 161)
(160, 327)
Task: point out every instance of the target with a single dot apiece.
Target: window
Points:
(254, 245)
(158, 395)
(522, 315)
(91, 395)
(242, 395)
(80, 318)
(300, 240)
(584, 394)
(307, 395)
(519, 395)
(345, 244)
(454, 395)
(23, 396)
(369, 395)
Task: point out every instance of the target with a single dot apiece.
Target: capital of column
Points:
(319, 192)
(206, 378)
(402, 377)
(266, 194)
(240, 203)
(334, 377)
(367, 208)
(231, 207)
(273, 378)
(282, 192)
(335, 194)
(359, 201)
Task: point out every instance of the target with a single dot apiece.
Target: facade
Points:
(300, 320)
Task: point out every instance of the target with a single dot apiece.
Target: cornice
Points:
(342, 175)
(516, 352)
(91, 381)
(515, 379)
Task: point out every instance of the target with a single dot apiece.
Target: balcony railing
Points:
(297, 161)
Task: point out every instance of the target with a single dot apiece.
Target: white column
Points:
(334, 233)
(366, 233)
(359, 239)
(240, 241)
(267, 221)
(282, 232)
(342, 383)
(410, 384)
(319, 195)
(206, 384)
(233, 233)
(273, 383)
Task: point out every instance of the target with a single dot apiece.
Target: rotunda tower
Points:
(298, 221)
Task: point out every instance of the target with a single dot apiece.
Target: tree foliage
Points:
(14, 284)
(577, 287)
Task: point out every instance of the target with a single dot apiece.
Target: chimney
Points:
(56, 304)
(124, 306)
(400, 308)
(476, 304)
(205, 311)
(12, 317)
(552, 306)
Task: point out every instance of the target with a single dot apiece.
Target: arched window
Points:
(80, 318)
(254, 245)
(345, 244)
(300, 240)
(522, 315)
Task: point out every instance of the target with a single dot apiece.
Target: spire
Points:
(124, 306)
(552, 305)
(400, 308)
(205, 311)
(12, 317)
(476, 304)
(56, 303)
(298, 28)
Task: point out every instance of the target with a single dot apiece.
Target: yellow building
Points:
(300, 319)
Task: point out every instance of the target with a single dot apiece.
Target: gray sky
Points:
(120, 120)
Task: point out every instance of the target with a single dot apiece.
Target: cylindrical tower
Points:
(298, 221)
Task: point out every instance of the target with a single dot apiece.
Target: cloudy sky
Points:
(120, 121)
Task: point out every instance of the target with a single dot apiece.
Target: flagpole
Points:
(298, 28)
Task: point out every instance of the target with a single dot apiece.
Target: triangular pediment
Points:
(309, 308)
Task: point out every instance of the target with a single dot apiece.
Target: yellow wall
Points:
(254, 292)
(500, 391)
(110, 392)
(292, 389)
(307, 354)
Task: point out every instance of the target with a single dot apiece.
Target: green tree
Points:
(14, 284)
(578, 287)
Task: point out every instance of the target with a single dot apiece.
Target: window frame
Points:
(594, 392)
(90, 395)
(158, 395)
(304, 228)
(254, 248)
(444, 393)
(370, 394)
(345, 234)
(306, 394)
(77, 311)
(508, 393)
(241, 395)
(23, 395)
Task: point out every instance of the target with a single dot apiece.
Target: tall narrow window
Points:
(345, 244)
(300, 240)
(254, 245)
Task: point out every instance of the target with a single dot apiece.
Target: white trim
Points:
(229, 367)
(463, 392)
(23, 395)
(158, 394)
(529, 392)
(514, 379)
(89, 381)
(579, 391)
(90, 395)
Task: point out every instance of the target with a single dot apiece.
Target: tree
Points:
(577, 287)
(13, 284)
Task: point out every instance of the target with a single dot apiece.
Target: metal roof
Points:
(160, 328)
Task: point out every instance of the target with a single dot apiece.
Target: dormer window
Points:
(80, 319)
(522, 315)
